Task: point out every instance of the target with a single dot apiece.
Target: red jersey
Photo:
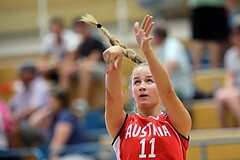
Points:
(152, 138)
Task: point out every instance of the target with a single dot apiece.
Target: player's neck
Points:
(145, 113)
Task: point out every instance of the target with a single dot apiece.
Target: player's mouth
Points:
(143, 95)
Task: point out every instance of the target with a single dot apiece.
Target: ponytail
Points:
(128, 53)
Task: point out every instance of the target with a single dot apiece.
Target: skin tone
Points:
(151, 85)
(145, 92)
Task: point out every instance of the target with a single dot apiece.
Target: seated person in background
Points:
(64, 127)
(56, 46)
(209, 30)
(173, 55)
(228, 97)
(6, 124)
(32, 92)
(91, 68)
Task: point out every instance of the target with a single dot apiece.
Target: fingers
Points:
(116, 62)
(149, 29)
(149, 38)
(147, 25)
(105, 55)
(108, 59)
(144, 22)
(136, 27)
(110, 67)
(110, 63)
(147, 22)
(112, 57)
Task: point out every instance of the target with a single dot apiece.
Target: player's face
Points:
(144, 88)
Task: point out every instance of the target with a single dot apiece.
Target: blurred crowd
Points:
(215, 28)
(51, 100)
(51, 97)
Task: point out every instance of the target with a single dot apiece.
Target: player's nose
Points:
(142, 87)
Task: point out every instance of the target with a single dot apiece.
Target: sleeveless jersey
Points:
(152, 138)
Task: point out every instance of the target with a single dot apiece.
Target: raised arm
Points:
(114, 111)
(178, 115)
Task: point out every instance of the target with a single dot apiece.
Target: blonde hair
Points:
(128, 53)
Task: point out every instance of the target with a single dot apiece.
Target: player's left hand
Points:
(142, 33)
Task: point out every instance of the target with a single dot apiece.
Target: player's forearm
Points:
(160, 75)
(113, 82)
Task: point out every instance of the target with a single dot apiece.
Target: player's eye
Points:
(136, 82)
(150, 81)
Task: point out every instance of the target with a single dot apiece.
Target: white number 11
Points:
(143, 143)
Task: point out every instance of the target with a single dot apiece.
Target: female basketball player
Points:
(150, 133)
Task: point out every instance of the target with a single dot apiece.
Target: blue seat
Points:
(93, 150)
(21, 152)
(94, 125)
(94, 119)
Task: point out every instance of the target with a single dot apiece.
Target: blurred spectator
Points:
(233, 8)
(32, 92)
(228, 97)
(209, 30)
(3, 137)
(55, 47)
(6, 119)
(64, 127)
(174, 57)
(91, 68)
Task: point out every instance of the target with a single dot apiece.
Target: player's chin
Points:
(144, 104)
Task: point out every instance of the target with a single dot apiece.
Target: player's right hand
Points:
(112, 56)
